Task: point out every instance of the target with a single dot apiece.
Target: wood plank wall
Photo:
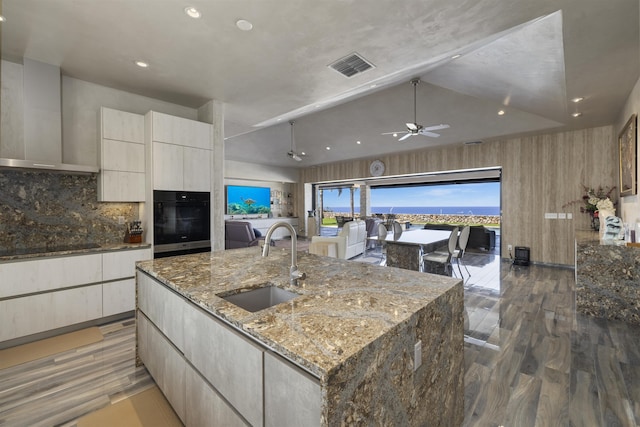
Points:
(540, 173)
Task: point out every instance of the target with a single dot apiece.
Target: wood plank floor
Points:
(530, 360)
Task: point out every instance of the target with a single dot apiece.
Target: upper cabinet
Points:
(122, 162)
(180, 152)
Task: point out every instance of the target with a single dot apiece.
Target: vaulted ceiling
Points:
(529, 58)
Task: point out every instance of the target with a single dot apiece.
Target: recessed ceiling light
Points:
(142, 64)
(456, 56)
(244, 25)
(192, 12)
(501, 113)
(302, 153)
(358, 142)
(2, 18)
(576, 114)
(328, 148)
(395, 135)
(577, 99)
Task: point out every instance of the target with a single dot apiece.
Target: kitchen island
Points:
(607, 278)
(361, 344)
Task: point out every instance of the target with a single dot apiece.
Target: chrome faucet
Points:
(294, 274)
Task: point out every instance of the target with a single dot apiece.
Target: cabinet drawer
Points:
(163, 307)
(165, 364)
(122, 264)
(231, 363)
(118, 297)
(291, 396)
(205, 407)
(38, 313)
(26, 277)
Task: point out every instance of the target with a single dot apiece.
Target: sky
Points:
(468, 195)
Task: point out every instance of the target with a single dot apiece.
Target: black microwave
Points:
(181, 222)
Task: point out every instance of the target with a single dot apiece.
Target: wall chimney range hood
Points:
(42, 114)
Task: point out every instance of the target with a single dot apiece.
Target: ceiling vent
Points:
(351, 65)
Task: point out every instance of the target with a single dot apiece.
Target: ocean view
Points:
(425, 210)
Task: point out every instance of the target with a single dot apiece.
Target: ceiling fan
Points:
(414, 128)
(293, 153)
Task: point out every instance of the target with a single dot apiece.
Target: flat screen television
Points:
(246, 200)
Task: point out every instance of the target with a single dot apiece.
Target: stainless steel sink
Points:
(260, 298)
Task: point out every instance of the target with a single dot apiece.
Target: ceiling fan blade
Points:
(294, 156)
(394, 133)
(412, 126)
(405, 137)
(436, 127)
(431, 134)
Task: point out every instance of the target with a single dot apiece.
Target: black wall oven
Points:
(181, 222)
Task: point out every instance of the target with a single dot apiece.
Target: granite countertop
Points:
(591, 237)
(344, 305)
(65, 250)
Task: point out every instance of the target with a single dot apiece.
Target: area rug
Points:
(146, 409)
(37, 350)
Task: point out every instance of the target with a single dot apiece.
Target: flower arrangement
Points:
(595, 199)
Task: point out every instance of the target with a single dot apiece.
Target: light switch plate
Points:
(417, 355)
(550, 215)
(562, 215)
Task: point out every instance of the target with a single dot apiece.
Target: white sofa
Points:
(350, 240)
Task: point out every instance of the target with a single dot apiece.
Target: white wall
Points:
(629, 207)
(81, 102)
(11, 121)
(256, 172)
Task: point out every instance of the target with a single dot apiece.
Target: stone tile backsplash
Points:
(48, 209)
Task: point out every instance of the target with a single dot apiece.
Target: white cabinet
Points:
(46, 274)
(122, 163)
(42, 312)
(43, 294)
(162, 307)
(122, 264)
(229, 378)
(167, 367)
(181, 153)
(179, 131)
(204, 406)
(196, 169)
(231, 363)
(118, 275)
(291, 396)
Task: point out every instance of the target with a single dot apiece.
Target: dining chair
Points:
(397, 230)
(382, 240)
(442, 257)
(463, 239)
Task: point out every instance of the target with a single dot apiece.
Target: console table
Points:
(607, 279)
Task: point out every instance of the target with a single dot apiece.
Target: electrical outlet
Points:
(417, 355)
(510, 247)
(120, 220)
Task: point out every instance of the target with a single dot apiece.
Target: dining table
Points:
(408, 250)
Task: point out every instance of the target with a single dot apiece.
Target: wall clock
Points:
(376, 168)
